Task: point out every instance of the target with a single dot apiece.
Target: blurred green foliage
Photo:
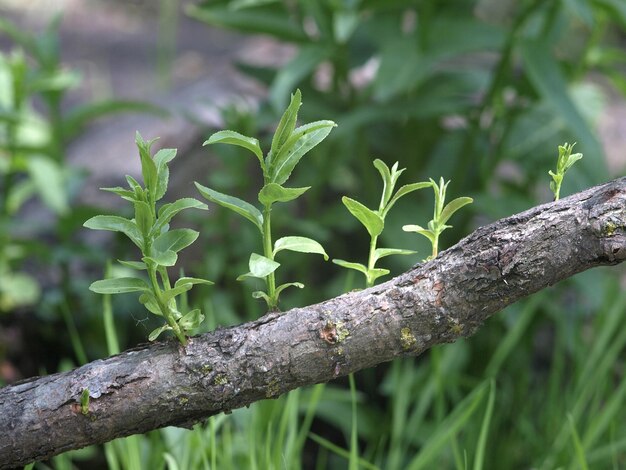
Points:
(40, 211)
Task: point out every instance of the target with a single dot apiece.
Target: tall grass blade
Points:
(448, 428)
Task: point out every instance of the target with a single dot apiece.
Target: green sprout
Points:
(84, 401)
(159, 245)
(440, 216)
(289, 145)
(374, 221)
(564, 163)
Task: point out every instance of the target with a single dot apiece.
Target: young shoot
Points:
(159, 245)
(289, 145)
(374, 221)
(440, 216)
(564, 163)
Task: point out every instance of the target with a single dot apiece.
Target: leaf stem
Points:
(371, 261)
(164, 278)
(269, 253)
(165, 309)
(435, 245)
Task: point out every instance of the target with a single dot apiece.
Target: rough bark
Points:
(164, 384)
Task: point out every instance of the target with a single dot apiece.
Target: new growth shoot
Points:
(289, 145)
(159, 245)
(374, 221)
(565, 161)
(441, 215)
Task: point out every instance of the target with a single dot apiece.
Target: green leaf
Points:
(143, 217)
(403, 191)
(370, 219)
(375, 273)
(237, 205)
(192, 281)
(166, 258)
(422, 231)
(191, 320)
(259, 294)
(50, 182)
(566, 159)
(148, 167)
(303, 139)
(121, 192)
(388, 182)
(260, 267)
(154, 334)
(115, 223)
(347, 264)
(168, 211)
(177, 290)
(175, 240)
(440, 194)
(164, 156)
(370, 274)
(235, 138)
(273, 192)
(382, 252)
(183, 285)
(282, 287)
(132, 182)
(300, 244)
(573, 159)
(161, 159)
(139, 265)
(287, 123)
(176, 314)
(119, 285)
(163, 177)
(452, 207)
(149, 301)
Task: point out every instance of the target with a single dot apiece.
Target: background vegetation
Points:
(478, 92)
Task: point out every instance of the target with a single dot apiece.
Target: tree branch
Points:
(164, 384)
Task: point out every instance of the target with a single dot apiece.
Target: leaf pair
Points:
(261, 267)
(374, 220)
(565, 161)
(159, 246)
(289, 145)
(441, 215)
